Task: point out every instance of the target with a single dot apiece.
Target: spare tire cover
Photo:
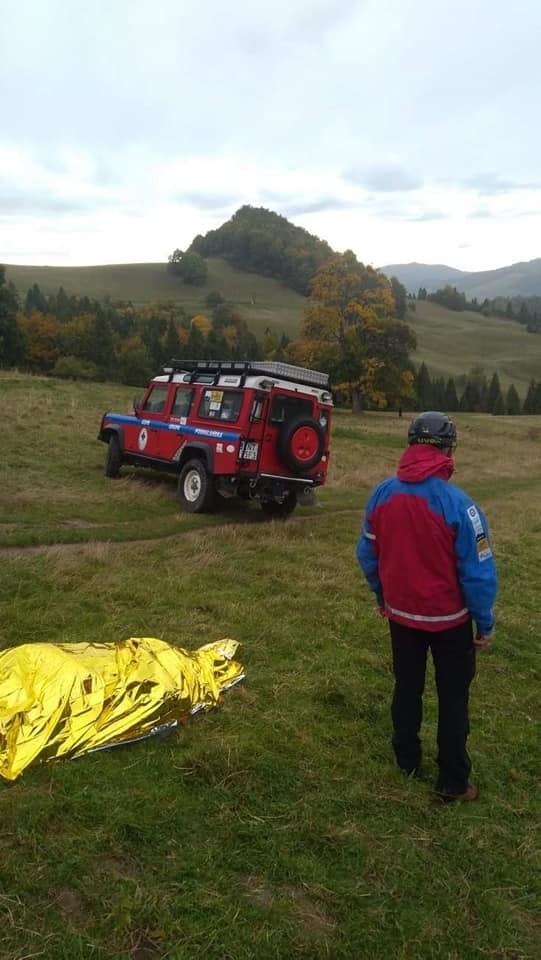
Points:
(301, 443)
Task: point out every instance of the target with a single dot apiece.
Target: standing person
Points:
(425, 552)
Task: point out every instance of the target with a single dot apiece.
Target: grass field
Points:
(262, 301)
(449, 343)
(452, 343)
(277, 825)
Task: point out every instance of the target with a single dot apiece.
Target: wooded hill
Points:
(260, 241)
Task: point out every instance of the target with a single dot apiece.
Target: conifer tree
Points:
(524, 313)
(62, 306)
(493, 394)
(35, 300)
(423, 388)
(512, 401)
(499, 406)
(171, 345)
(11, 336)
(470, 401)
(196, 344)
(451, 398)
(532, 402)
(438, 393)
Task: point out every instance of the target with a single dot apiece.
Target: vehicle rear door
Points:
(284, 408)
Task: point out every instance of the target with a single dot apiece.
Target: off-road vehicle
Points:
(259, 430)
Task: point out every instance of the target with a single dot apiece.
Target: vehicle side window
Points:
(286, 408)
(156, 400)
(183, 402)
(220, 404)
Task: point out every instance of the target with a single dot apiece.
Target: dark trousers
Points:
(453, 653)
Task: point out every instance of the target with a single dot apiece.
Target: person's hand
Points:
(483, 640)
(381, 612)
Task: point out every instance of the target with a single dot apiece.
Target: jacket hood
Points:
(423, 460)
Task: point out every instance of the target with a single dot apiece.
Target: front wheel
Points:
(113, 460)
(276, 510)
(195, 490)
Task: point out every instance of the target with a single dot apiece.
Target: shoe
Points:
(471, 793)
(413, 772)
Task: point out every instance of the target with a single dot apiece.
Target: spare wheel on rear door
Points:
(301, 443)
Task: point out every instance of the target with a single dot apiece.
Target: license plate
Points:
(249, 450)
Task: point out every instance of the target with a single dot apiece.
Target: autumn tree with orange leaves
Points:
(351, 331)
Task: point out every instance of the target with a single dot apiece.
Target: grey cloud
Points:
(490, 184)
(32, 253)
(206, 201)
(305, 27)
(392, 207)
(384, 179)
(526, 213)
(427, 215)
(480, 213)
(105, 175)
(319, 18)
(299, 207)
(17, 202)
(484, 213)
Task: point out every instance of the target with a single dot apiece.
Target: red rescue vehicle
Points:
(258, 430)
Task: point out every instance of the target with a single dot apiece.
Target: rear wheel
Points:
(276, 510)
(113, 460)
(195, 490)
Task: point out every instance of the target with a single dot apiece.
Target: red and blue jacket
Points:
(425, 548)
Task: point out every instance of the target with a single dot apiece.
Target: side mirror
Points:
(136, 404)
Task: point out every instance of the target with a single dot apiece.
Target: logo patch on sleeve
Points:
(475, 520)
(483, 547)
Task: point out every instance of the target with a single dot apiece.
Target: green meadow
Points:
(262, 301)
(275, 826)
(450, 343)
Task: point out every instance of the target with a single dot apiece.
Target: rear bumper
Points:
(302, 481)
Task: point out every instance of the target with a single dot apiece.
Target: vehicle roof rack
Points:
(244, 368)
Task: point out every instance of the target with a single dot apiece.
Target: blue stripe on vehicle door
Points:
(206, 432)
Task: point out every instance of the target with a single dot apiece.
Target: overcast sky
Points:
(401, 129)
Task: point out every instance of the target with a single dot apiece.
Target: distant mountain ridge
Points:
(517, 280)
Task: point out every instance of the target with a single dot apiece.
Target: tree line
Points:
(82, 338)
(351, 330)
(524, 310)
(474, 392)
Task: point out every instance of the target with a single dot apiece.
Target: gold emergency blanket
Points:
(62, 700)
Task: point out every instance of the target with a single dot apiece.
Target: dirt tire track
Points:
(33, 548)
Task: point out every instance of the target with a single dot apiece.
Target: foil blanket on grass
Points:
(63, 700)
